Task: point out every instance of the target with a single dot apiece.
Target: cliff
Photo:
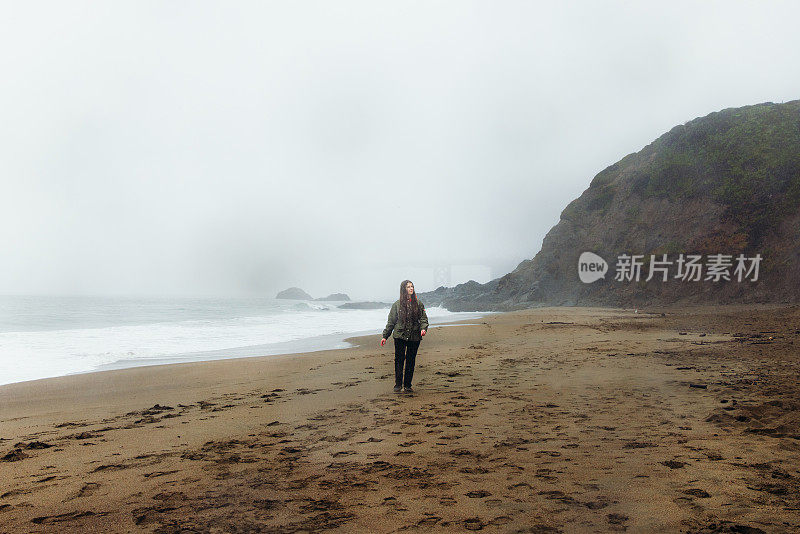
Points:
(727, 183)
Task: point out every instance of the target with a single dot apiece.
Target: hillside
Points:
(727, 183)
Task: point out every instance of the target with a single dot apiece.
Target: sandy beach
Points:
(542, 420)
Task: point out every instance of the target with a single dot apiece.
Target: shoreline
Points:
(551, 419)
(334, 341)
(96, 381)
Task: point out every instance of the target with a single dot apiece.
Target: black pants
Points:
(405, 352)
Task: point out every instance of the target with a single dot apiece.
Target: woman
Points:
(410, 322)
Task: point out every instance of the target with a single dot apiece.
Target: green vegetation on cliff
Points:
(747, 159)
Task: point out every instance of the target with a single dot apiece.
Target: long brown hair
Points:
(409, 308)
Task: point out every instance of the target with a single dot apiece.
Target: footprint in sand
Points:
(88, 489)
(474, 523)
(696, 492)
(428, 521)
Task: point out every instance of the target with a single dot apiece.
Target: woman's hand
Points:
(422, 332)
(383, 341)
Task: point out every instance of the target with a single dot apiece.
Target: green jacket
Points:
(403, 331)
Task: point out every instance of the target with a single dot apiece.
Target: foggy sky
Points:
(239, 148)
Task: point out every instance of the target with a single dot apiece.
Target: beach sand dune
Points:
(544, 420)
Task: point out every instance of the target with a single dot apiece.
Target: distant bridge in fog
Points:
(456, 271)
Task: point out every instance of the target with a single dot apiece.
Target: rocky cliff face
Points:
(727, 183)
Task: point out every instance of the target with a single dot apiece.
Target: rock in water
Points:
(365, 305)
(335, 296)
(293, 293)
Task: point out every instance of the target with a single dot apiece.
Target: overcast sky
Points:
(239, 148)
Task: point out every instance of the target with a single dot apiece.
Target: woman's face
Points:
(410, 289)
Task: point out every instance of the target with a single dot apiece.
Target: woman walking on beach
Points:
(410, 322)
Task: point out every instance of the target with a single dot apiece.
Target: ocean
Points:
(48, 336)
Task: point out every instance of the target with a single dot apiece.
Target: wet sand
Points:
(545, 420)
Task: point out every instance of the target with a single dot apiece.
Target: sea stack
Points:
(293, 293)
